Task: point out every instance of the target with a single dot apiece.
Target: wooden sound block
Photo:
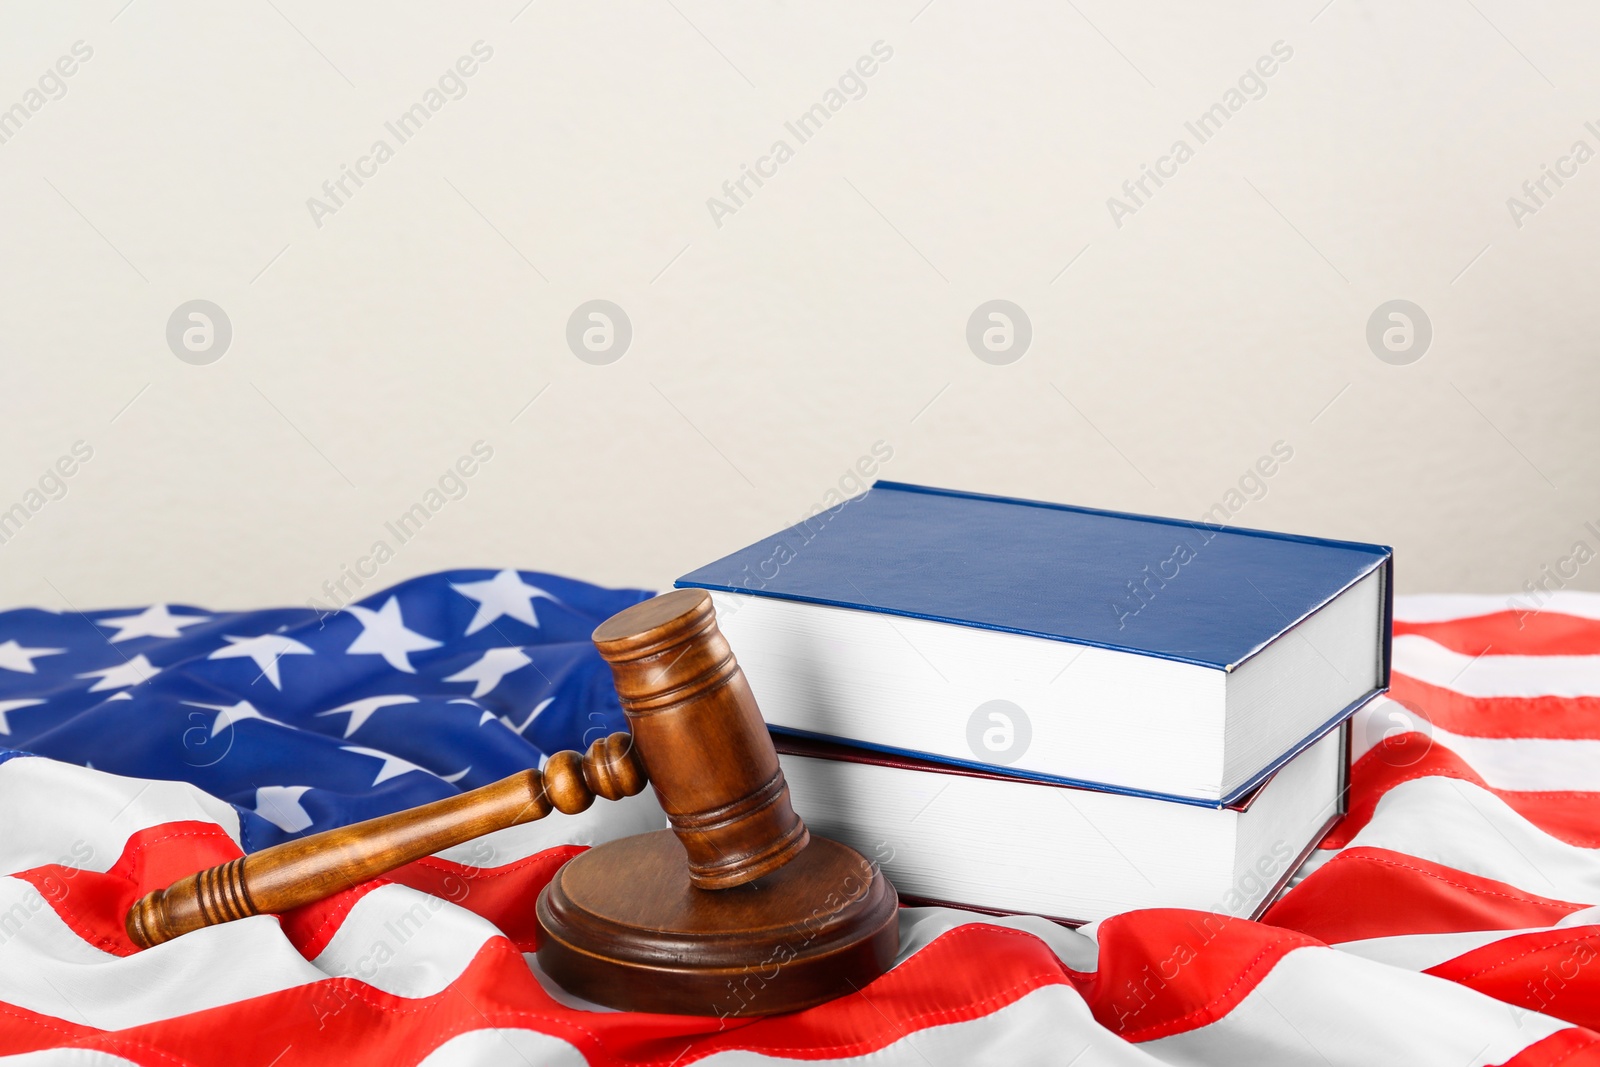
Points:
(622, 926)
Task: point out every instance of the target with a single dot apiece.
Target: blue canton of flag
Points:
(305, 720)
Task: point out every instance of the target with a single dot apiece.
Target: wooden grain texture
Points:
(622, 925)
(736, 910)
(702, 738)
(299, 872)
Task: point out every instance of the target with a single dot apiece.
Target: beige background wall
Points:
(375, 343)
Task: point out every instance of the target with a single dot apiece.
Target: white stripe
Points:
(1418, 952)
(1321, 1006)
(1462, 825)
(402, 941)
(1528, 764)
(66, 1057)
(1049, 1027)
(1519, 764)
(1380, 718)
(1496, 676)
(503, 1046)
(1442, 607)
(59, 813)
(405, 942)
(920, 926)
(46, 967)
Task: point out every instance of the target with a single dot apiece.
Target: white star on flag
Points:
(154, 621)
(14, 657)
(492, 666)
(393, 766)
(121, 675)
(13, 705)
(362, 710)
(504, 594)
(265, 650)
(384, 633)
(514, 728)
(228, 714)
(280, 805)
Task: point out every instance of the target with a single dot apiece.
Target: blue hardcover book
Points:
(1142, 655)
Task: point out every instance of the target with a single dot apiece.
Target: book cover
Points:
(1189, 591)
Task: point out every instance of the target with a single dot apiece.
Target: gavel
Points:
(735, 910)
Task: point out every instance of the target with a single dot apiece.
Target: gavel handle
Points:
(309, 869)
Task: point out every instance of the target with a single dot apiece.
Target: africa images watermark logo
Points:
(999, 332)
(851, 85)
(1399, 332)
(50, 486)
(199, 332)
(1555, 575)
(786, 548)
(599, 332)
(1253, 485)
(1537, 192)
(450, 85)
(453, 484)
(1251, 85)
(50, 86)
(1396, 732)
(999, 732)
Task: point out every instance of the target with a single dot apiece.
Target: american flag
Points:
(1448, 920)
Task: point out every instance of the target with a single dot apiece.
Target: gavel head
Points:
(702, 741)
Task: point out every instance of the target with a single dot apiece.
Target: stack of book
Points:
(1021, 707)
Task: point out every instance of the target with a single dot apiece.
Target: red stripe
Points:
(503, 895)
(309, 929)
(1573, 817)
(1546, 716)
(965, 974)
(1373, 892)
(1572, 1047)
(1162, 972)
(94, 904)
(1512, 633)
(22, 1030)
(1554, 972)
(1167, 971)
